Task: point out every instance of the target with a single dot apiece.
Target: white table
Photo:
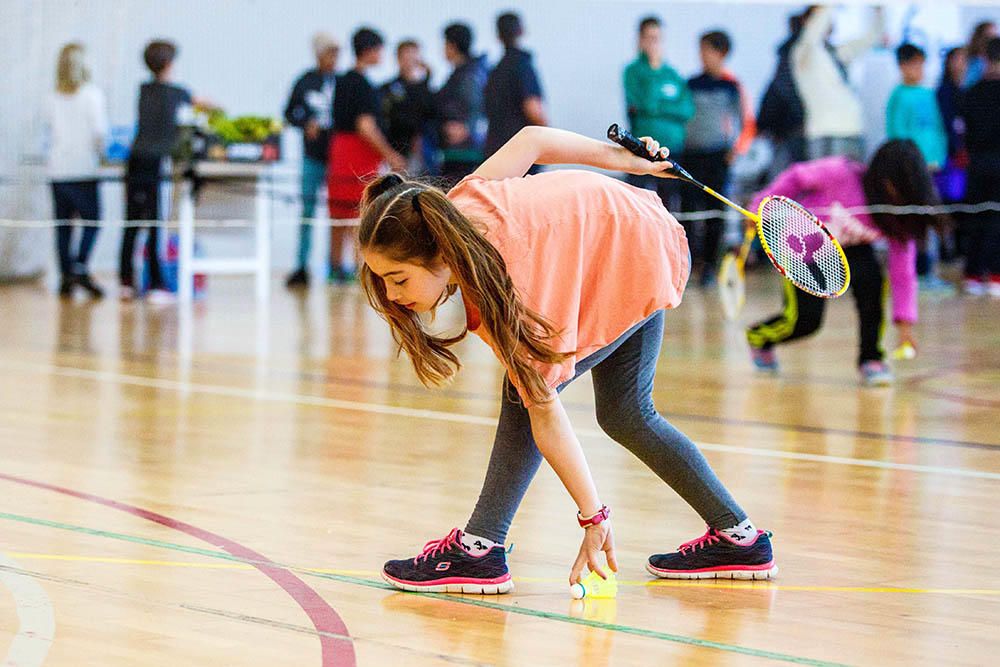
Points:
(259, 263)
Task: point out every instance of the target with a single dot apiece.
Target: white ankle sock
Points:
(742, 533)
(476, 545)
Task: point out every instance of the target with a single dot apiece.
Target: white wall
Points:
(244, 54)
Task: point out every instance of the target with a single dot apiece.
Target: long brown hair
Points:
(71, 70)
(408, 221)
(898, 176)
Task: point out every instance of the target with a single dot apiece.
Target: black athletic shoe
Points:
(298, 278)
(715, 555)
(84, 280)
(444, 566)
(66, 287)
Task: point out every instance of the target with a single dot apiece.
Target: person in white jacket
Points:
(76, 121)
(834, 123)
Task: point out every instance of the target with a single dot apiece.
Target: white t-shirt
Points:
(77, 125)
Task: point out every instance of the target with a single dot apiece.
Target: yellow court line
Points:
(737, 584)
(748, 585)
(655, 583)
(130, 561)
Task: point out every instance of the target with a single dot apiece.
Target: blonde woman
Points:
(77, 124)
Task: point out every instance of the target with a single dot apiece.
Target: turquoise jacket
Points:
(659, 102)
(912, 113)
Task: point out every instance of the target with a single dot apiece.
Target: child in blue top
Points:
(912, 112)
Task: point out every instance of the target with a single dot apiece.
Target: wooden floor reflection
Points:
(223, 489)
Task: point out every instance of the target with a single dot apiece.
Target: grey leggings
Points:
(623, 385)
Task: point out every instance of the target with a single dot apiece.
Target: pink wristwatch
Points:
(602, 515)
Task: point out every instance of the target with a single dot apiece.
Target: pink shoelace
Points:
(705, 540)
(434, 547)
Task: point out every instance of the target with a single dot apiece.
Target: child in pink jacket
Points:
(897, 175)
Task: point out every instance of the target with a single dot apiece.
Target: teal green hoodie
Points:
(659, 102)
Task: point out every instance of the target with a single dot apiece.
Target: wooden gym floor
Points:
(224, 489)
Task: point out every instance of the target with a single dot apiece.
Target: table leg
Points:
(262, 218)
(185, 257)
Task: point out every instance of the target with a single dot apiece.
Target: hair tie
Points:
(392, 180)
(382, 185)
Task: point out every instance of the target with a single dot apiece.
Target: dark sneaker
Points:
(66, 287)
(445, 566)
(875, 374)
(87, 283)
(715, 555)
(297, 278)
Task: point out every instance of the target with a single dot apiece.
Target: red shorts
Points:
(353, 162)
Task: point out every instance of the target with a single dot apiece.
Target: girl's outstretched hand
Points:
(595, 540)
(906, 336)
(907, 342)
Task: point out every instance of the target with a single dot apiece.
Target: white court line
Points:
(379, 408)
(34, 612)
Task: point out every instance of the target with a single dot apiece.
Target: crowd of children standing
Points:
(350, 127)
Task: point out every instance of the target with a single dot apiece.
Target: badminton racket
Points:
(799, 246)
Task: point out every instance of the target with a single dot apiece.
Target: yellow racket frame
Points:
(756, 217)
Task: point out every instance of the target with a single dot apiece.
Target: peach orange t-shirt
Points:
(591, 254)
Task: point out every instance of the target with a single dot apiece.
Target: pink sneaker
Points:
(715, 555)
(764, 359)
(446, 566)
(973, 287)
(875, 374)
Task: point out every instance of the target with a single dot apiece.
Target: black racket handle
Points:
(626, 139)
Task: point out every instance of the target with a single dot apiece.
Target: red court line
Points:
(335, 650)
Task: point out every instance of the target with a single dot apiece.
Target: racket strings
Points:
(802, 248)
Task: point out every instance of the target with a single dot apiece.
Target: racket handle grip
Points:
(626, 139)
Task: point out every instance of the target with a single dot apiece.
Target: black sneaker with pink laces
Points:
(445, 566)
(715, 555)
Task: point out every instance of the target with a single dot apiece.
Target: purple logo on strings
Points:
(805, 245)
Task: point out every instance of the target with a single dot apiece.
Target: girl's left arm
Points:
(559, 445)
(548, 145)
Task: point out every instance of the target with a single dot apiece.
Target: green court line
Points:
(360, 581)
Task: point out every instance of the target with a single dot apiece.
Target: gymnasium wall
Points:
(244, 55)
